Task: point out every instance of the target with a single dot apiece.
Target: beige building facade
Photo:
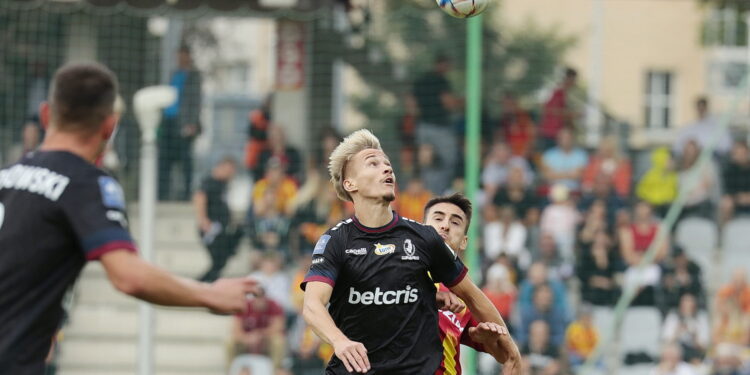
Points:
(653, 61)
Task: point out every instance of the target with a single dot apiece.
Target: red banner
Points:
(290, 55)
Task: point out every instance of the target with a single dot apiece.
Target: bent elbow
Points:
(308, 312)
(130, 285)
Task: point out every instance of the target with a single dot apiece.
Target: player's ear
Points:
(464, 242)
(349, 185)
(109, 125)
(44, 114)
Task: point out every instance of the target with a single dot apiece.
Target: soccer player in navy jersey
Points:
(373, 270)
(58, 211)
(451, 217)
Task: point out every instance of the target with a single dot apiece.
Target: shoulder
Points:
(340, 231)
(86, 179)
(424, 231)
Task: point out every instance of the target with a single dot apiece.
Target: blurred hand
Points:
(204, 225)
(229, 296)
(353, 354)
(449, 301)
(487, 332)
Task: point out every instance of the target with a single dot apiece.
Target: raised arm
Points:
(352, 354)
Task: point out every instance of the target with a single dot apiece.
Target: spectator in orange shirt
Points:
(257, 133)
(272, 208)
(411, 201)
(609, 162)
(581, 337)
(274, 192)
(500, 290)
(737, 290)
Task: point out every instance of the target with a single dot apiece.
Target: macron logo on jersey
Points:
(378, 297)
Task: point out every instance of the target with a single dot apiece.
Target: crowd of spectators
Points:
(564, 232)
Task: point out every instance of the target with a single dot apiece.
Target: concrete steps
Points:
(102, 333)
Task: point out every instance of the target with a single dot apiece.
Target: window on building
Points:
(658, 103)
(725, 27)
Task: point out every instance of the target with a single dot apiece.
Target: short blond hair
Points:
(350, 146)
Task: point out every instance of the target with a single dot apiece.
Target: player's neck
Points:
(73, 143)
(373, 213)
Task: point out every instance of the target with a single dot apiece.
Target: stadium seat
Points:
(603, 319)
(641, 331)
(734, 246)
(638, 369)
(699, 238)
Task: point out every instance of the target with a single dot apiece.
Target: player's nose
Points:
(388, 170)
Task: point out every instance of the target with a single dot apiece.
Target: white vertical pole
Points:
(147, 205)
(148, 104)
(593, 110)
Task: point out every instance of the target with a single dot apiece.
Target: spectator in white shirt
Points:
(689, 328)
(703, 130)
(505, 236)
(274, 281)
(497, 167)
(671, 362)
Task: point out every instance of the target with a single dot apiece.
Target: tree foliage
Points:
(409, 34)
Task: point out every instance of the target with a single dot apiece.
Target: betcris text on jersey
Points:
(379, 297)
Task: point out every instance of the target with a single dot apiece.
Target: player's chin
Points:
(389, 197)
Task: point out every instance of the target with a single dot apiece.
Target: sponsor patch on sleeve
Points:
(320, 247)
(112, 195)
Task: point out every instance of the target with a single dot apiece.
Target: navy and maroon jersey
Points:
(382, 294)
(57, 211)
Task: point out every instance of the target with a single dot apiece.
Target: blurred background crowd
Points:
(569, 204)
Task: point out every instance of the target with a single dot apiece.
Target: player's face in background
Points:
(450, 222)
(369, 175)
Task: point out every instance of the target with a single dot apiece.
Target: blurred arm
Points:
(133, 276)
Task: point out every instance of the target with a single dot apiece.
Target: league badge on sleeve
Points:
(320, 247)
(112, 195)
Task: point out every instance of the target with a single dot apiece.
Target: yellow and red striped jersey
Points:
(454, 331)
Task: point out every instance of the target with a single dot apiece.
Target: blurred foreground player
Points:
(451, 216)
(57, 211)
(373, 269)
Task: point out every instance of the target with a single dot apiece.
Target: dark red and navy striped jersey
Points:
(57, 211)
(382, 294)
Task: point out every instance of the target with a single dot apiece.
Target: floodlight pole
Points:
(472, 147)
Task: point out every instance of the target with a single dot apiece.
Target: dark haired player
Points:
(58, 211)
(451, 216)
(373, 269)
